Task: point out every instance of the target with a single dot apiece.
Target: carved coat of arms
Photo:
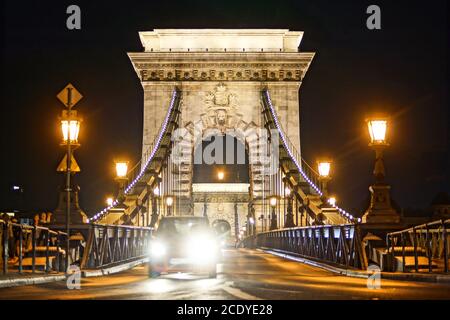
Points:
(221, 109)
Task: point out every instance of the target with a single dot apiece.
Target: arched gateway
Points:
(220, 74)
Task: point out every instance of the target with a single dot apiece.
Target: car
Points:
(184, 243)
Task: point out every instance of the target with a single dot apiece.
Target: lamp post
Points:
(273, 220)
(155, 198)
(324, 168)
(169, 203)
(289, 214)
(121, 178)
(380, 209)
(70, 127)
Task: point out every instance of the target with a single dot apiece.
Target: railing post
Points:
(47, 244)
(403, 252)
(416, 258)
(57, 257)
(391, 239)
(20, 248)
(5, 247)
(33, 249)
(429, 250)
(444, 236)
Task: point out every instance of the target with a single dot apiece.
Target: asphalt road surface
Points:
(244, 274)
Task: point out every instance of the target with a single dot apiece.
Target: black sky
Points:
(401, 69)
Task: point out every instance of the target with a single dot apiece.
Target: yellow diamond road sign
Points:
(74, 167)
(69, 94)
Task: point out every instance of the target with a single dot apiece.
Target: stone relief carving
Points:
(221, 109)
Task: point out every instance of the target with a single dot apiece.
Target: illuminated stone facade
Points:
(221, 74)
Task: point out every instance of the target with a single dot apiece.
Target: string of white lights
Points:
(344, 213)
(105, 210)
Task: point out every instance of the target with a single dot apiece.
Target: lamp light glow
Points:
(121, 169)
(70, 130)
(109, 201)
(273, 201)
(220, 175)
(287, 191)
(332, 201)
(324, 168)
(377, 130)
(169, 201)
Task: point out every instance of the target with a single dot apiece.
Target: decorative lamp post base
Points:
(77, 215)
(273, 221)
(380, 210)
(289, 221)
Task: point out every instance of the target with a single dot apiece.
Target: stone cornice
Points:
(223, 66)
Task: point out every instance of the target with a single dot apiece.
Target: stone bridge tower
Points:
(221, 73)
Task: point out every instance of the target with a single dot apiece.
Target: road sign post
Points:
(70, 123)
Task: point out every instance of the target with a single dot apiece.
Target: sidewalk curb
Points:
(112, 270)
(433, 278)
(28, 281)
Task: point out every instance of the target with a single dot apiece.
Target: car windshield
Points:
(181, 226)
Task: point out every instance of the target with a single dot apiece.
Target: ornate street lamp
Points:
(155, 200)
(273, 221)
(377, 130)
(121, 178)
(324, 168)
(289, 214)
(70, 127)
(380, 209)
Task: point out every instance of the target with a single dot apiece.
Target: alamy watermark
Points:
(374, 279)
(74, 279)
(373, 22)
(73, 21)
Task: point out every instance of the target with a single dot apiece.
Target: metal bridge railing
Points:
(336, 244)
(30, 244)
(114, 244)
(429, 242)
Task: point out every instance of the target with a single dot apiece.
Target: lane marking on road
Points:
(237, 292)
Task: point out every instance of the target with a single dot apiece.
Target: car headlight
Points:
(202, 249)
(157, 249)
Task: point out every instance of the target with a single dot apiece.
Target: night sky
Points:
(401, 70)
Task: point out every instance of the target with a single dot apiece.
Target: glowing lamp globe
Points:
(287, 191)
(121, 169)
(332, 201)
(169, 201)
(377, 130)
(324, 168)
(273, 201)
(109, 201)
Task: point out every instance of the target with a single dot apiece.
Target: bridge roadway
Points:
(244, 274)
